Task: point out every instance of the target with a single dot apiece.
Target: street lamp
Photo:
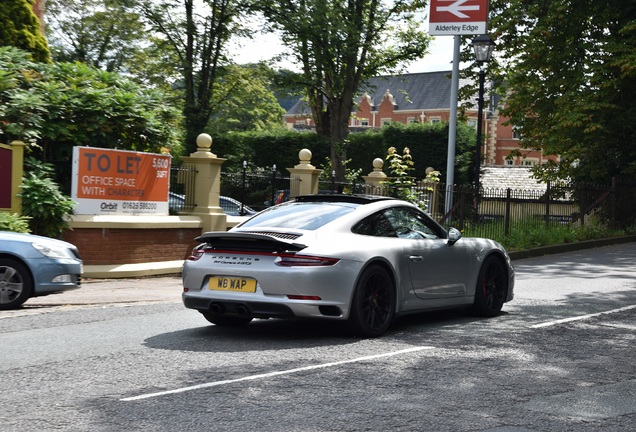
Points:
(483, 46)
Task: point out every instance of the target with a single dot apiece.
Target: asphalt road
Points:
(559, 359)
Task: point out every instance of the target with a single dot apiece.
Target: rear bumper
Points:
(261, 308)
(240, 308)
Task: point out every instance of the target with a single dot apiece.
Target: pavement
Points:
(104, 293)
(167, 289)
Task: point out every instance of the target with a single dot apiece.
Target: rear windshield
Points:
(305, 216)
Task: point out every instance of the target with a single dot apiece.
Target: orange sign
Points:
(116, 181)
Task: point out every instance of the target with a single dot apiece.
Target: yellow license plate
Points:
(232, 284)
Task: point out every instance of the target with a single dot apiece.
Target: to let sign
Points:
(458, 17)
(107, 181)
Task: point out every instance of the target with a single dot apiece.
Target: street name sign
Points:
(458, 17)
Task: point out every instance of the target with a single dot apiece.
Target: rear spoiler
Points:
(248, 241)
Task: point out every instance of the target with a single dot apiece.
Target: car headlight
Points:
(51, 251)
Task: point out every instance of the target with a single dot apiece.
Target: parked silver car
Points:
(230, 206)
(363, 259)
(32, 266)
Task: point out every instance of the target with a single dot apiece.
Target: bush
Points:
(529, 237)
(264, 149)
(14, 222)
(428, 143)
(43, 202)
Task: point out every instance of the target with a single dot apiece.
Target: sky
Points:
(264, 47)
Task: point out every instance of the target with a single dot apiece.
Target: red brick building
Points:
(425, 98)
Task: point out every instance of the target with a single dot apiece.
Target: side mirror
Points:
(453, 236)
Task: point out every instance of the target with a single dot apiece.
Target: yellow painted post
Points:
(17, 171)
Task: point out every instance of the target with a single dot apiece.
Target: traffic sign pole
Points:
(455, 18)
(452, 129)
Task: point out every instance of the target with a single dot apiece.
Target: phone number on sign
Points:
(139, 206)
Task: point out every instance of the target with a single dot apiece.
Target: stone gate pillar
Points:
(374, 182)
(304, 176)
(207, 188)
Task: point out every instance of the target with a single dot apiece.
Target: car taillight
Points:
(196, 254)
(304, 261)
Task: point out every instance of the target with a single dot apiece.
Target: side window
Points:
(413, 224)
(403, 222)
(376, 225)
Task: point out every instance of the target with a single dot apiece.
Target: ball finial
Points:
(204, 141)
(305, 156)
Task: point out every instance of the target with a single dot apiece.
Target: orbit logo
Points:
(108, 207)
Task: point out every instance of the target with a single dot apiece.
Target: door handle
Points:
(416, 258)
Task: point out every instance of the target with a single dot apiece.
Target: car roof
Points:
(342, 198)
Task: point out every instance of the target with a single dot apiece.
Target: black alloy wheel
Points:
(492, 288)
(373, 305)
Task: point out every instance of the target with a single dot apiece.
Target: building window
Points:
(528, 163)
(472, 123)
(364, 122)
(410, 120)
(385, 121)
(515, 133)
(300, 122)
(510, 162)
(435, 120)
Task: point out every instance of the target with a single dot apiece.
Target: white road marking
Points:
(582, 317)
(272, 374)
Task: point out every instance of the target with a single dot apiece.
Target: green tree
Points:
(244, 101)
(171, 45)
(339, 45)
(570, 82)
(19, 27)
(112, 36)
(104, 34)
(197, 33)
(56, 106)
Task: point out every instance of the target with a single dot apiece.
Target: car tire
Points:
(373, 303)
(491, 289)
(16, 284)
(226, 321)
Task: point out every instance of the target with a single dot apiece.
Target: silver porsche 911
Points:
(360, 259)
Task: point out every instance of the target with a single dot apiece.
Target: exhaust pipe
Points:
(217, 308)
(241, 310)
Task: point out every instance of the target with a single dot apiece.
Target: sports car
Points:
(355, 258)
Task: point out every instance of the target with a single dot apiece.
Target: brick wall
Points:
(114, 246)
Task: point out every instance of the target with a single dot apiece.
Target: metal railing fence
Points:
(182, 184)
(256, 190)
(494, 213)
